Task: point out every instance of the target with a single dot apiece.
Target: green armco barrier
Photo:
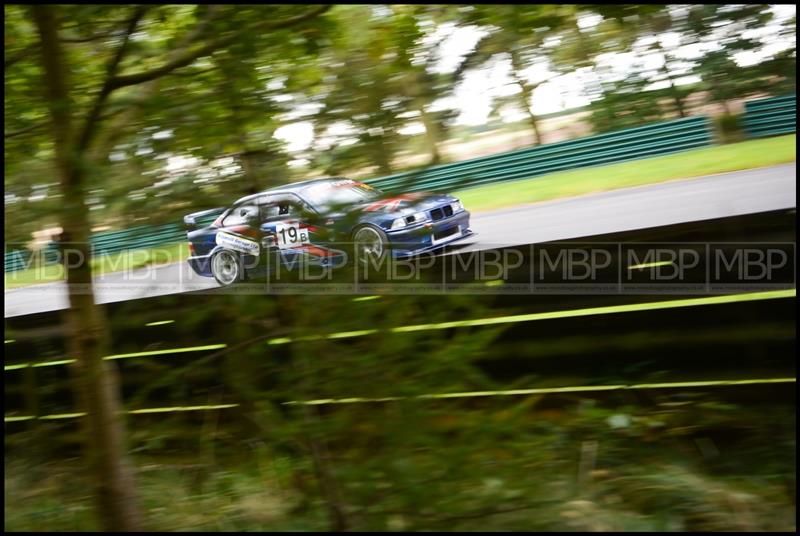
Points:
(108, 242)
(21, 259)
(630, 144)
(16, 260)
(144, 236)
(770, 117)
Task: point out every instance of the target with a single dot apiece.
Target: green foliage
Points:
(684, 462)
(719, 33)
(224, 104)
(378, 77)
(654, 460)
(626, 104)
(729, 128)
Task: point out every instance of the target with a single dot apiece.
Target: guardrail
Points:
(770, 117)
(107, 243)
(16, 260)
(630, 144)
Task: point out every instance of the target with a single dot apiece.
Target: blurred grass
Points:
(182, 497)
(103, 264)
(688, 164)
(684, 462)
(202, 497)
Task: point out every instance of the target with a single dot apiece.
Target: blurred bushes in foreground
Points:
(687, 463)
(649, 460)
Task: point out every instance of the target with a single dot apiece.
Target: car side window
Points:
(268, 212)
(280, 207)
(244, 214)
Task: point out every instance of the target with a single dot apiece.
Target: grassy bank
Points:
(694, 163)
(103, 264)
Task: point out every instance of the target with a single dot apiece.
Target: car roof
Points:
(288, 188)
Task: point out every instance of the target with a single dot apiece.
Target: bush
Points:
(728, 128)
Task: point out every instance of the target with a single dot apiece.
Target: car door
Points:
(285, 227)
(239, 231)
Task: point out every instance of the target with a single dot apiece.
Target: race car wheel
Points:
(370, 244)
(226, 267)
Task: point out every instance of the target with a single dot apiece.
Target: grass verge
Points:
(103, 264)
(684, 165)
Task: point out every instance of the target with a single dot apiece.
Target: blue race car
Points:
(325, 220)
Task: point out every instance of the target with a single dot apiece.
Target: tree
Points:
(717, 34)
(78, 108)
(516, 33)
(378, 77)
(626, 103)
(416, 79)
(724, 32)
(358, 97)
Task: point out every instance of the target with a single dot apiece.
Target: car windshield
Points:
(341, 192)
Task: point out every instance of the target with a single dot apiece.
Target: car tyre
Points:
(370, 244)
(226, 267)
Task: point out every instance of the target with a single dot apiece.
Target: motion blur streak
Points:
(511, 392)
(549, 390)
(647, 265)
(133, 411)
(612, 309)
(628, 308)
(167, 351)
(159, 323)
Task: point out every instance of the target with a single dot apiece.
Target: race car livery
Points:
(326, 220)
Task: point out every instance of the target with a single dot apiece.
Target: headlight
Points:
(413, 219)
(456, 206)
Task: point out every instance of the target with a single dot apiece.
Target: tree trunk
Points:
(237, 123)
(526, 94)
(98, 391)
(673, 89)
(534, 123)
(676, 97)
(432, 134)
(382, 158)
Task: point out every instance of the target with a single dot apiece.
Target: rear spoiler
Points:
(204, 218)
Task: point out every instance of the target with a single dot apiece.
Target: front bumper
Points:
(429, 236)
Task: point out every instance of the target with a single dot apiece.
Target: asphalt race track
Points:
(704, 198)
